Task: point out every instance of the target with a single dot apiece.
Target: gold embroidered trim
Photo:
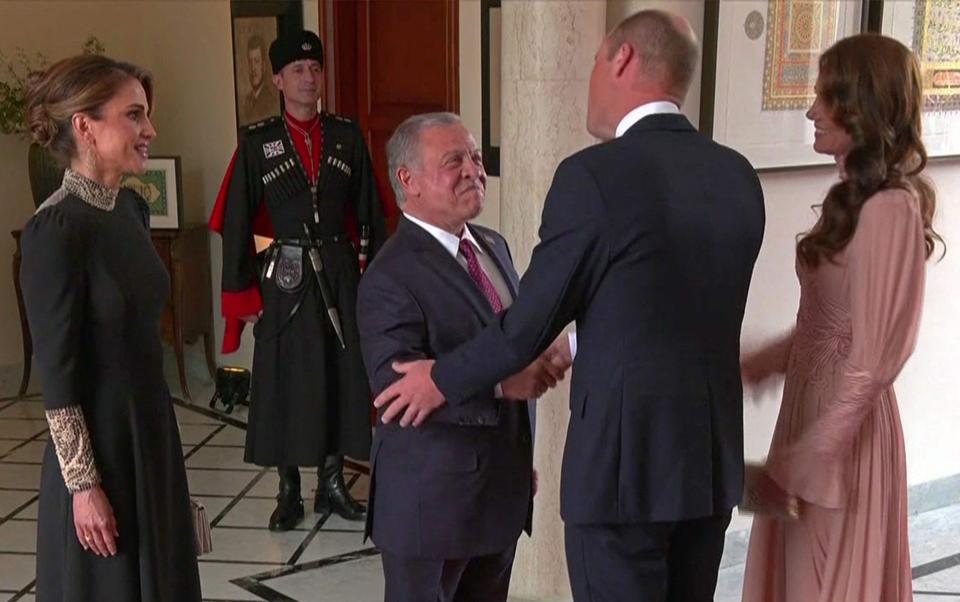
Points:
(89, 191)
(68, 430)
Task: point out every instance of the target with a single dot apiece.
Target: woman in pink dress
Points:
(838, 444)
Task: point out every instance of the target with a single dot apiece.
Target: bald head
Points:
(665, 44)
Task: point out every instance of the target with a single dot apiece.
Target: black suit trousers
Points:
(646, 562)
(477, 579)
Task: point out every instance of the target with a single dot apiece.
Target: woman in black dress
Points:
(114, 517)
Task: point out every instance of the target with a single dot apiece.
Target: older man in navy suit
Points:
(448, 499)
(648, 241)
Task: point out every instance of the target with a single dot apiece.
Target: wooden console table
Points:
(188, 314)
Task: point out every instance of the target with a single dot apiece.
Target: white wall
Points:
(927, 388)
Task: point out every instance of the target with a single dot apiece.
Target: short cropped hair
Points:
(661, 47)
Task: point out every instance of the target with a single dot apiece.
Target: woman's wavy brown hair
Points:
(873, 85)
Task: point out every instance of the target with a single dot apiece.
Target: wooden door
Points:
(391, 59)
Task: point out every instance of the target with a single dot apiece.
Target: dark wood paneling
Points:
(346, 68)
(393, 59)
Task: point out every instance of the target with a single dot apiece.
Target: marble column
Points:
(547, 55)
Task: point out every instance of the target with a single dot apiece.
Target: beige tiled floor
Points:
(243, 547)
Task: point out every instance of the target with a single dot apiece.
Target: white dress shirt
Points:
(644, 110)
(451, 242)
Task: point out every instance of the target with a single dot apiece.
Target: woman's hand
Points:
(761, 373)
(756, 367)
(763, 495)
(93, 519)
(762, 368)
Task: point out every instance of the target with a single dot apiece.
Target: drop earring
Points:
(90, 159)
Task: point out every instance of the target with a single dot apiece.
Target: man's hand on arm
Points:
(414, 394)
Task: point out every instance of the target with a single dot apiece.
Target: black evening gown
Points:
(94, 288)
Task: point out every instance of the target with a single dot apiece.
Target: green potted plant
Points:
(15, 75)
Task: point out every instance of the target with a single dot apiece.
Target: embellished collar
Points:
(89, 191)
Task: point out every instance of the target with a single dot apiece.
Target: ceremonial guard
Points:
(303, 181)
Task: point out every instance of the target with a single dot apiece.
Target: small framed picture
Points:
(161, 187)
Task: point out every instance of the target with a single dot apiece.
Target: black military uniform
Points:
(307, 185)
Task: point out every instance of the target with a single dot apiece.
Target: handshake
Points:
(542, 374)
(414, 396)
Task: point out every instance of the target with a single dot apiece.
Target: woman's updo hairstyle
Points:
(80, 84)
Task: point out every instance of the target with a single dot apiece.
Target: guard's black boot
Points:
(332, 494)
(289, 511)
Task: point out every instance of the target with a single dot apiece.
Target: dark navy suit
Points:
(648, 242)
(450, 498)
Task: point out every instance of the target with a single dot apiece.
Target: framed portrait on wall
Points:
(759, 70)
(160, 185)
(256, 24)
(931, 28)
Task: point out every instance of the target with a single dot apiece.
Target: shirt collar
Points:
(304, 125)
(450, 242)
(644, 110)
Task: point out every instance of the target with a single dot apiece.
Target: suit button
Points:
(524, 438)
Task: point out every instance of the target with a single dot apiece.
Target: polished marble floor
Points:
(934, 554)
(325, 559)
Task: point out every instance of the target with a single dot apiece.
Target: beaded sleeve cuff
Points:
(68, 430)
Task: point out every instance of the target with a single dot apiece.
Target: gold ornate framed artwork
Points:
(759, 70)
(931, 28)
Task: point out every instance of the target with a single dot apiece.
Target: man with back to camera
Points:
(648, 241)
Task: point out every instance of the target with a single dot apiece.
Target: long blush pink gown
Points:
(838, 443)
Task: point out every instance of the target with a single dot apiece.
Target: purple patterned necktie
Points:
(481, 280)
